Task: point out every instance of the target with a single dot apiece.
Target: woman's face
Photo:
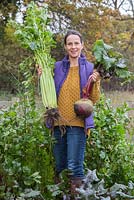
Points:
(73, 46)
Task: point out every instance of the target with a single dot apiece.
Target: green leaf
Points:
(30, 194)
(108, 60)
(102, 154)
(122, 73)
(33, 46)
(107, 47)
(121, 63)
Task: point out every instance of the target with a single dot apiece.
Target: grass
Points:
(118, 98)
(5, 96)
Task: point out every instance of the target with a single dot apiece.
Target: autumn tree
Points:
(95, 19)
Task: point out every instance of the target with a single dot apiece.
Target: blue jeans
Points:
(69, 150)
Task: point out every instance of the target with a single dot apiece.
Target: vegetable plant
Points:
(109, 62)
(92, 188)
(34, 34)
(25, 145)
(109, 151)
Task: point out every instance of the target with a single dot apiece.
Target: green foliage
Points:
(109, 62)
(108, 149)
(94, 189)
(25, 146)
(63, 187)
(35, 35)
(26, 155)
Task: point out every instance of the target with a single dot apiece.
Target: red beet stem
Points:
(87, 89)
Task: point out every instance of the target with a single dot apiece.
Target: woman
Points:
(70, 76)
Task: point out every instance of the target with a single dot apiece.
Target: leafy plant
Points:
(109, 62)
(93, 189)
(108, 149)
(34, 34)
(62, 189)
(25, 146)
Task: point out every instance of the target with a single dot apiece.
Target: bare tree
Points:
(131, 2)
(124, 6)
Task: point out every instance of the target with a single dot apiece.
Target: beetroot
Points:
(84, 107)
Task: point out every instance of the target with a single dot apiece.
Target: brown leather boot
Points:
(57, 179)
(75, 183)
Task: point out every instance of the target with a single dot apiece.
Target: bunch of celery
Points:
(34, 34)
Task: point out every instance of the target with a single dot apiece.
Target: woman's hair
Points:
(72, 32)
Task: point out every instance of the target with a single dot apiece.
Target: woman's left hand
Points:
(95, 76)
